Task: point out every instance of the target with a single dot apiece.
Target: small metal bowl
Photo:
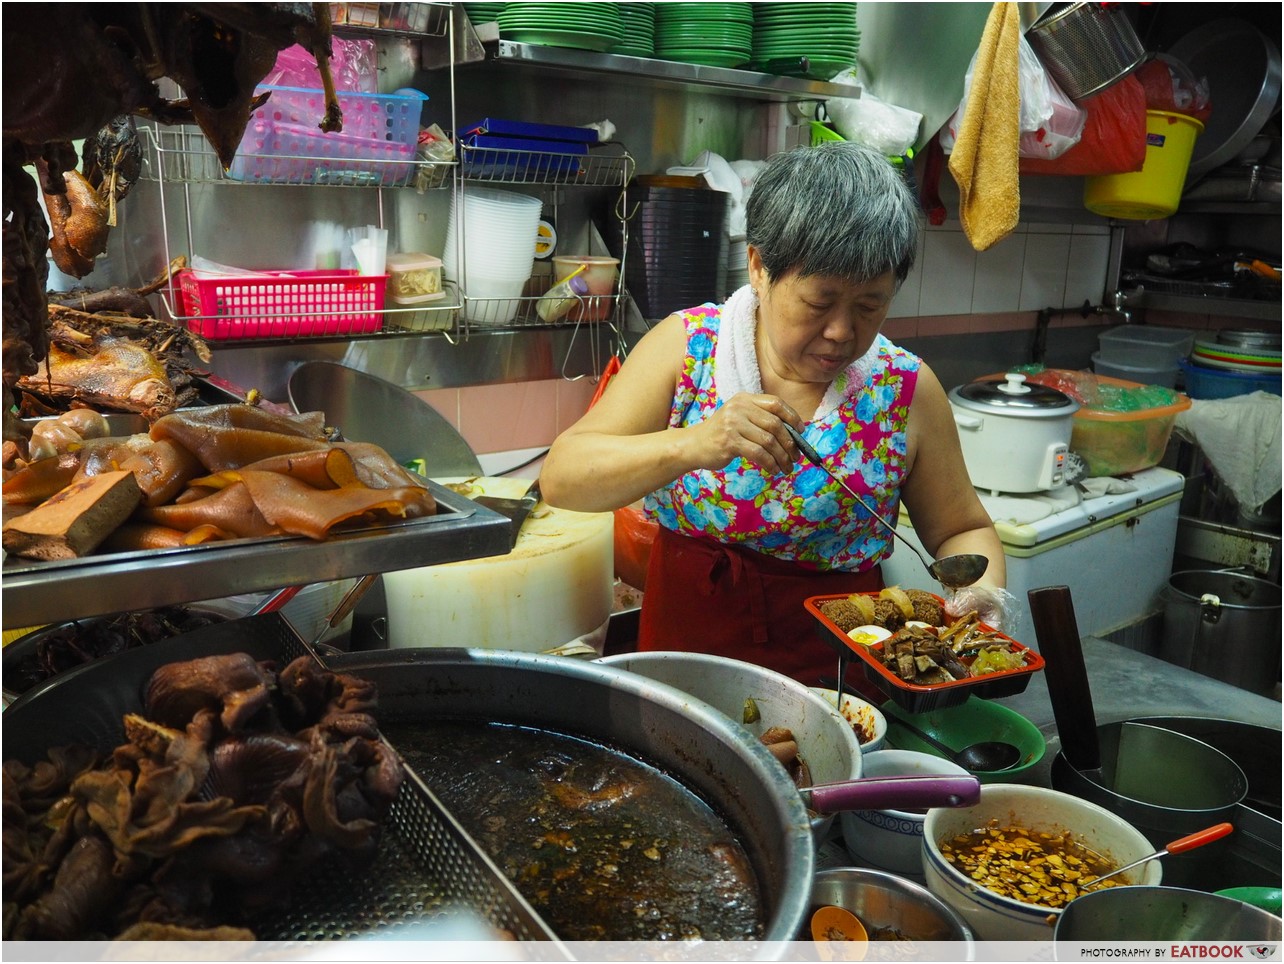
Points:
(881, 900)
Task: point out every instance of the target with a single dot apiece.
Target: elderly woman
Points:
(694, 423)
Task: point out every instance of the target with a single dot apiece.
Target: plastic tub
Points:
(1155, 190)
(1136, 366)
(1202, 382)
(1117, 443)
(1165, 346)
(414, 278)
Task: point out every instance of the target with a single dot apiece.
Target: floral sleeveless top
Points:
(804, 517)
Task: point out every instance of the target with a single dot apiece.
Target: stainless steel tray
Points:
(34, 593)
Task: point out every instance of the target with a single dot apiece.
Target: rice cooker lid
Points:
(1012, 395)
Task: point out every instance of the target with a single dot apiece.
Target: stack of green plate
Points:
(483, 12)
(584, 26)
(639, 30)
(712, 34)
(816, 40)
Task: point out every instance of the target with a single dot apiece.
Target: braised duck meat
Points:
(104, 66)
(209, 813)
(917, 655)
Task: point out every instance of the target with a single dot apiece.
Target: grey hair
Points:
(840, 209)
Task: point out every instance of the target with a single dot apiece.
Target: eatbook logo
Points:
(1262, 951)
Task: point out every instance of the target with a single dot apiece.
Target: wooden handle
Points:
(1057, 631)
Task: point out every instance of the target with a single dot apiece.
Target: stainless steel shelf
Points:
(670, 74)
(1206, 305)
(35, 593)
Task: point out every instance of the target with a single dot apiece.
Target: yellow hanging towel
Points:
(985, 162)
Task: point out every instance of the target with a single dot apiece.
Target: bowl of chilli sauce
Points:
(1011, 864)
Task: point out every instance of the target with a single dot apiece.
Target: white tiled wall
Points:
(1037, 266)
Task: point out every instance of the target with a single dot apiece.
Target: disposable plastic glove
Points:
(994, 607)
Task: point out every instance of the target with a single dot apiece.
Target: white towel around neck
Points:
(736, 358)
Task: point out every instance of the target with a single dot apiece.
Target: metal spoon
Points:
(987, 757)
(1181, 845)
(952, 572)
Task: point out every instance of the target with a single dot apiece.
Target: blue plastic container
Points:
(1203, 382)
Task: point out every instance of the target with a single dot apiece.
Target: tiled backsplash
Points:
(1037, 266)
(966, 312)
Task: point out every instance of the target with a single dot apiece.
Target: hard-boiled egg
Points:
(868, 635)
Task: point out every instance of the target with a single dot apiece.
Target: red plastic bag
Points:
(634, 536)
(1113, 139)
(634, 533)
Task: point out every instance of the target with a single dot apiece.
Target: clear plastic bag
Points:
(886, 128)
(1051, 123)
(353, 67)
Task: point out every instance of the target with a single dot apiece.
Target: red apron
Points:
(705, 597)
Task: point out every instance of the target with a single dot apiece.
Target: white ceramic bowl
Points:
(867, 720)
(892, 839)
(996, 918)
(826, 741)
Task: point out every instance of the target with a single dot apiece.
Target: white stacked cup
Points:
(499, 230)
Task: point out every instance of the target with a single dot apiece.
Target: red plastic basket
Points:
(281, 305)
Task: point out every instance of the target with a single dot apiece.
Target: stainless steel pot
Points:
(1015, 436)
(1164, 783)
(687, 738)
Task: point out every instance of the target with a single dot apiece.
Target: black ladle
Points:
(952, 572)
(990, 756)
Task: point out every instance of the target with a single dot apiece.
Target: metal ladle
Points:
(988, 757)
(952, 572)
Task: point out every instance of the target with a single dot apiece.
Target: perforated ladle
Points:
(952, 572)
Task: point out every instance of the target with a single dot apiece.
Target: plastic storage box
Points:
(1204, 382)
(284, 145)
(281, 305)
(414, 278)
(1148, 346)
(1117, 443)
(1136, 365)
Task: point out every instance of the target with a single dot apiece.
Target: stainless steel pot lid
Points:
(1250, 338)
(1013, 395)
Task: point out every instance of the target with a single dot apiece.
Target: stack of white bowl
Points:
(737, 263)
(498, 231)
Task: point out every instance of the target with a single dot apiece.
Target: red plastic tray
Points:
(919, 698)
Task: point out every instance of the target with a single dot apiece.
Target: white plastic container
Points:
(1151, 346)
(1137, 365)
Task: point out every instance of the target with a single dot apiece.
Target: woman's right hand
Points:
(750, 427)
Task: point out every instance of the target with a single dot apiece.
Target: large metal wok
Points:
(704, 749)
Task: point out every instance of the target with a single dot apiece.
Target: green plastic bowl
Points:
(1267, 898)
(973, 721)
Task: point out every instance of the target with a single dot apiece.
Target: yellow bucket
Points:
(1155, 190)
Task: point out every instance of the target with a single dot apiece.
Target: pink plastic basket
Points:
(283, 305)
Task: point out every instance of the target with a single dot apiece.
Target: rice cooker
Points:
(1015, 436)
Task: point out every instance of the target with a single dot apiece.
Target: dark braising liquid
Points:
(604, 847)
